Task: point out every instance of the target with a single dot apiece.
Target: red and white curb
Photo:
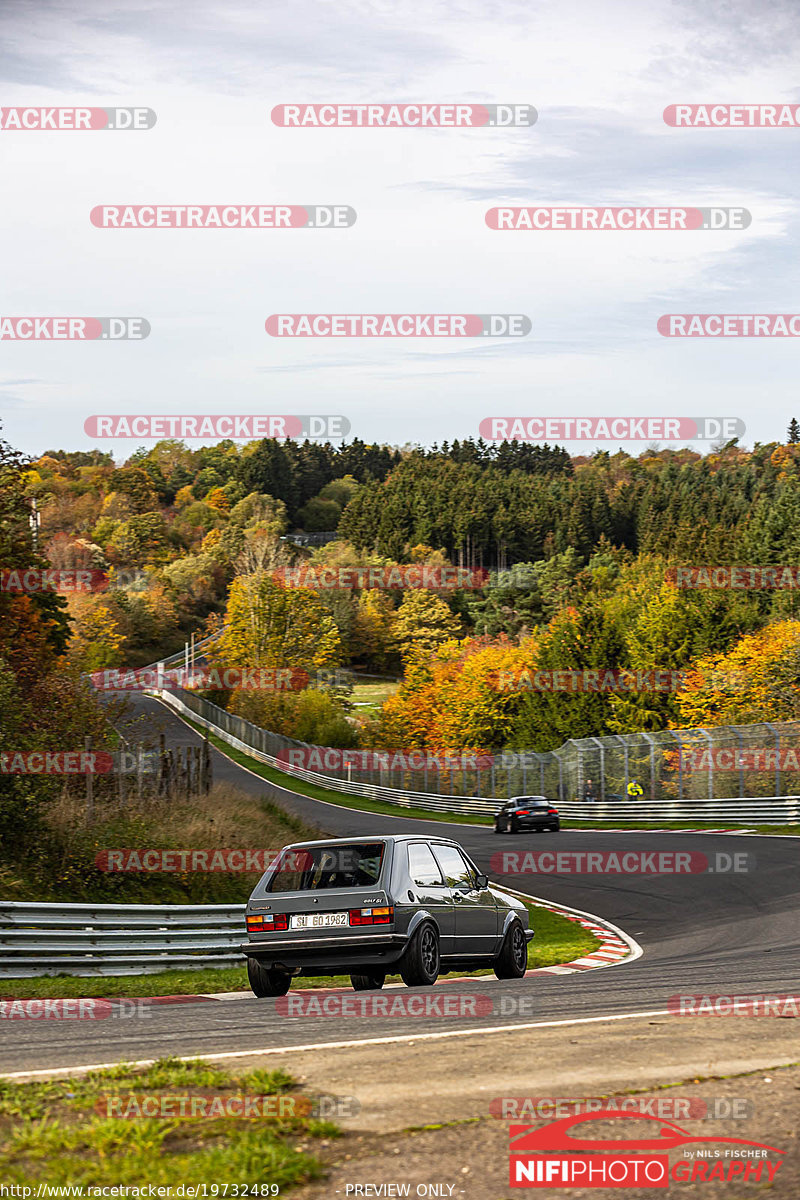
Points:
(609, 829)
(616, 946)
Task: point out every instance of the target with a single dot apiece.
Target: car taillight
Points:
(371, 916)
(267, 922)
(552, 812)
(523, 812)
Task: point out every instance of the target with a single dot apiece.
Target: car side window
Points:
(456, 869)
(422, 866)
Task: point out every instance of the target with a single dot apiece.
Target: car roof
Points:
(527, 798)
(366, 839)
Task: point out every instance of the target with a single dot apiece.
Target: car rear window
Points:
(315, 868)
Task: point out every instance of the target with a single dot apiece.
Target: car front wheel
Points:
(512, 961)
(266, 981)
(419, 966)
(372, 981)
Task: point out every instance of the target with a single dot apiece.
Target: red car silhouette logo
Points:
(557, 1136)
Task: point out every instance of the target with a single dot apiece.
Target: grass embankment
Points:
(61, 863)
(57, 1131)
(557, 940)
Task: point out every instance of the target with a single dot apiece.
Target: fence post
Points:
(163, 772)
(206, 765)
(87, 745)
(121, 777)
(776, 734)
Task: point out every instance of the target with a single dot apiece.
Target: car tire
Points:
(512, 961)
(266, 981)
(496, 827)
(555, 829)
(513, 827)
(421, 963)
(372, 981)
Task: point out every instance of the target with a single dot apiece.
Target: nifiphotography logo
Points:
(552, 1156)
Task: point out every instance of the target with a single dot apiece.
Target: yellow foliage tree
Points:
(757, 680)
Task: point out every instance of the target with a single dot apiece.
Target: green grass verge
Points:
(557, 940)
(58, 1132)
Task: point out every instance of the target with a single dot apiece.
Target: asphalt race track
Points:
(701, 934)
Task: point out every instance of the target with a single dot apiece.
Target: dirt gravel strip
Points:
(471, 1156)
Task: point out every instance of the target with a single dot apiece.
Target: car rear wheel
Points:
(266, 981)
(419, 966)
(512, 961)
(513, 826)
(373, 980)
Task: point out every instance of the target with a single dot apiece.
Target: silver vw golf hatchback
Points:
(374, 906)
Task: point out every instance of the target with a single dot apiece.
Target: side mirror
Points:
(482, 881)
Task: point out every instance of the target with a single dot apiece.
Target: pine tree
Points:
(793, 432)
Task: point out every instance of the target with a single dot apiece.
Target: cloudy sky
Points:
(599, 75)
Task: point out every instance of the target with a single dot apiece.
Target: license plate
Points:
(319, 920)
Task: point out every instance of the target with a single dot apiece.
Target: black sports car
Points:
(527, 813)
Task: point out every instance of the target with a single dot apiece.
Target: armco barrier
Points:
(39, 940)
(765, 810)
(117, 939)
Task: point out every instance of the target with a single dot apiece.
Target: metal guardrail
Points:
(117, 939)
(761, 810)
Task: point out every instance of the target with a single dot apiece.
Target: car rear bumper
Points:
(332, 954)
